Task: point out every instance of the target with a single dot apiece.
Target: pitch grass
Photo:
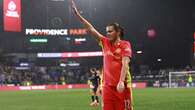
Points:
(79, 99)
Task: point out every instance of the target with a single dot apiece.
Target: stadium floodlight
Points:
(159, 60)
(139, 52)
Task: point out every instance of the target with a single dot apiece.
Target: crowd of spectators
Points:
(42, 75)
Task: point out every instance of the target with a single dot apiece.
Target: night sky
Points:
(172, 20)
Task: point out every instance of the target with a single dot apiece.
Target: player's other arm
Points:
(87, 25)
(124, 70)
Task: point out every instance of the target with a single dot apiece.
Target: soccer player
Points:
(116, 92)
(190, 80)
(94, 82)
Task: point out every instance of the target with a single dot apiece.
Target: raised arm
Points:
(87, 25)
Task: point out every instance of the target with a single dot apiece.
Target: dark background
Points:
(173, 21)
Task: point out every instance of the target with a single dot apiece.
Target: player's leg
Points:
(128, 99)
(96, 94)
(119, 100)
(108, 105)
(123, 101)
(96, 101)
(119, 105)
(107, 98)
(92, 96)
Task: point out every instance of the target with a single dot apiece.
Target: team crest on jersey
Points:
(118, 50)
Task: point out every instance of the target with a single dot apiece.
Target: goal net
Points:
(181, 79)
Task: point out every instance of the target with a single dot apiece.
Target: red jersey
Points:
(112, 61)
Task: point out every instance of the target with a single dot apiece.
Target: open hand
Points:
(120, 86)
(74, 8)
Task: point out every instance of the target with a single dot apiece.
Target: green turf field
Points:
(79, 99)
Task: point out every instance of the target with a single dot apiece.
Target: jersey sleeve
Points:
(126, 50)
(103, 41)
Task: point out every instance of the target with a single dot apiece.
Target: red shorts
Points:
(113, 100)
(128, 99)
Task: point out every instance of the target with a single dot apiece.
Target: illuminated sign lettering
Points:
(46, 32)
(53, 32)
(77, 31)
(69, 54)
(12, 15)
(39, 40)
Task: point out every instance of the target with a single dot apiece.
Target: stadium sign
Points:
(12, 15)
(69, 54)
(12, 12)
(32, 87)
(38, 40)
(54, 32)
(45, 32)
(77, 31)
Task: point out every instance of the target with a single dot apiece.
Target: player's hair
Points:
(118, 28)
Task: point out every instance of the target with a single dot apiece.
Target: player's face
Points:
(112, 34)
